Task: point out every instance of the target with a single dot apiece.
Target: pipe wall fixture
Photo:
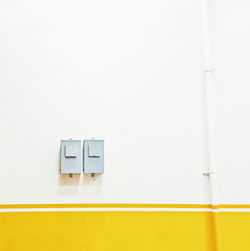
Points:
(209, 83)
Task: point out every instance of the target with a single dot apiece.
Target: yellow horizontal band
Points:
(107, 231)
(10, 206)
(231, 206)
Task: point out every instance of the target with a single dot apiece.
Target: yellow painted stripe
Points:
(10, 206)
(231, 206)
(206, 206)
(105, 231)
(124, 230)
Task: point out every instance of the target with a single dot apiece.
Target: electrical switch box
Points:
(71, 156)
(93, 156)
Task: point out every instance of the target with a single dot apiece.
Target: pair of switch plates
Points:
(92, 156)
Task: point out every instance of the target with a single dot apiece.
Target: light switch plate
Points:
(93, 156)
(70, 151)
(95, 150)
(71, 156)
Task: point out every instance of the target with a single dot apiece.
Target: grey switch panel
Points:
(71, 156)
(93, 156)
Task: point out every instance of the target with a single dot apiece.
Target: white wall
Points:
(231, 46)
(130, 72)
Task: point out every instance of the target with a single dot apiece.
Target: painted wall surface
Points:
(95, 231)
(131, 73)
(231, 37)
(128, 72)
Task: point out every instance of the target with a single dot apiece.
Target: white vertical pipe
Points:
(210, 104)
